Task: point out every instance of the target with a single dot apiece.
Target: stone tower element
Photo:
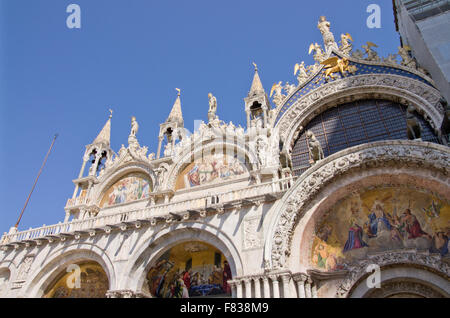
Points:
(171, 128)
(257, 103)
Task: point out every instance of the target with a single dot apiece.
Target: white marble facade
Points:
(232, 188)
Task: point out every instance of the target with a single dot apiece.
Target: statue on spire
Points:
(212, 107)
(134, 126)
(328, 37)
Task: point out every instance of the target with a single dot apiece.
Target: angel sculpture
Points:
(346, 45)
(390, 59)
(302, 72)
(319, 55)
(335, 65)
(134, 126)
(358, 54)
(371, 54)
(212, 107)
(278, 96)
(407, 60)
(289, 88)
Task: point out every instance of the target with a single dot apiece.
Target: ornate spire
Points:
(256, 87)
(176, 115)
(104, 136)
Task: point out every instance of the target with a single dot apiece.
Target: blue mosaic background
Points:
(363, 69)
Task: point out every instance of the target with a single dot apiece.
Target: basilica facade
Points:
(337, 187)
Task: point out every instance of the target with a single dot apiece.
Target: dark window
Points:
(353, 124)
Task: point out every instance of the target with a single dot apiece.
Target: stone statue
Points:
(346, 45)
(261, 151)
(319, 55)
(302, 73)
(161, 174)
(212, 107)
(168, 150)
(278, 97)
(289, 88)
(134, 126)
(358, 54)
(315, 149)
(414, 130)
(328, 37)
(371, 54)
(390, 59)
(407, 60)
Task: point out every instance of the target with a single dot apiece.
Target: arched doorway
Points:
(81, 280)
(189, 269)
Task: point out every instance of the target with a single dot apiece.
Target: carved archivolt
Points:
(358, 271)
(222, 145)
(383, 86)
(114, 176)
(294, 204)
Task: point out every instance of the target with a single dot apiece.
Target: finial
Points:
(256, 67)
(179, 91)
(110, 113)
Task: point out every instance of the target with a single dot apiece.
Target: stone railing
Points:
(151, 214)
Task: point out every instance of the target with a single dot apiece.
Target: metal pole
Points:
(37, 178)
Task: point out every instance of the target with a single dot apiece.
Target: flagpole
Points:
(37, 178)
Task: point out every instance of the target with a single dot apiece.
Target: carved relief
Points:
(252, 234)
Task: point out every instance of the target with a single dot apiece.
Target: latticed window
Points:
(353, 124)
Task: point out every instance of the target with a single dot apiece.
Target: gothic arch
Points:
(400, 273)
(187, 157)
(424, 164)
(49, 269)
(115, 176)
(153, 246)
(373, 86)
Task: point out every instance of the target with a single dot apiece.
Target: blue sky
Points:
(129, 55)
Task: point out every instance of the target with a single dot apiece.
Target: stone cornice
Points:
(357, 271)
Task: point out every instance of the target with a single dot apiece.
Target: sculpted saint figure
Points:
(328, 37)
(315, 149)
(413, 126)
(134, 126)
(212, 107)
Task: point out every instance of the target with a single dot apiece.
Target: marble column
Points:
(232, 284)
(275, 286)
(266, 287)
(286, 278)
(238, 289)
(314, 290)
(248, 288)
(301, 287)
(257, 282)
(308, 288)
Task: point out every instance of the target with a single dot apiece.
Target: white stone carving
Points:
(431, 156)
